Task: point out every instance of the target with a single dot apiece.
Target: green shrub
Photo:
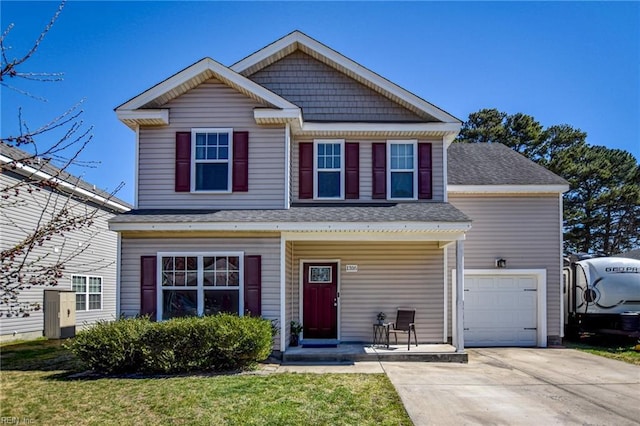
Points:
(219, 343)
(240, 342)
(111, 347)
(180, 344)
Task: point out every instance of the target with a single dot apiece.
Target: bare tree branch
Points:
(50, 227)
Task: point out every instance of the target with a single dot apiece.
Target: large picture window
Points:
(402, 177)
(329, 169)
(88, 292)
(200, 284)
(212, 159)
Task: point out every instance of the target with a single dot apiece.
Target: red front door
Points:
(320, 300)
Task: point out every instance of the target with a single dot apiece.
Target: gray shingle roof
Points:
(494, 164)
(17, 154)
(352, 213)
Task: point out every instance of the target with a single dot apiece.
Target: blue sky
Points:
(567, 62)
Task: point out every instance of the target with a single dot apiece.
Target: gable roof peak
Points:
(297, 40)
(195, 74)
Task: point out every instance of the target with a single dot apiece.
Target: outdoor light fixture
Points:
(501, 263)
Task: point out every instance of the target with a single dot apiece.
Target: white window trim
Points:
(229, 161)
(315, 168)
(199, 288)
(87, 292)
(413, 142)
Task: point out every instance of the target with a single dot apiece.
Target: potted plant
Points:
(295, 329)
(381, 317)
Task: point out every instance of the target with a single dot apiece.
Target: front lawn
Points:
(36, 387)
(620, 350)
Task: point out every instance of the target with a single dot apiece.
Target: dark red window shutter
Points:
(352, 170)
(183, 161)
(240, 161)
(379, 178)
(305, 176)
(425, 184)
(252, 285)
(148, 288)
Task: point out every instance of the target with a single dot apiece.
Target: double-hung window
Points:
(195, 284)
(402, 176)
(328, 169)
(88, 292)
(212, 159)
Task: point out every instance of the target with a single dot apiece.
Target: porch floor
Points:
(351, 352)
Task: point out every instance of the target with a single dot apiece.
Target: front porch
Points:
(353, 352)
(335, 284)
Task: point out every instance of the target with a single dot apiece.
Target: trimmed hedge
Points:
(111, 347)
(215, 343)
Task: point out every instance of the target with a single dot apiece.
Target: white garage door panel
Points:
(500, 310)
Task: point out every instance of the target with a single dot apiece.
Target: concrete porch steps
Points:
(366, 352)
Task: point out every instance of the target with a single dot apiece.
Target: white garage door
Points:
(500, 310)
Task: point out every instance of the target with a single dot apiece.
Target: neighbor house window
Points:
(402, 177)
(329, 169)
(88, 292)
(212, 159)
(200, 284)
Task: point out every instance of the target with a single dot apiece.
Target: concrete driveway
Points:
(515, 386)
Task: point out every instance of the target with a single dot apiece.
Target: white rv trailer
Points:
(603, 295)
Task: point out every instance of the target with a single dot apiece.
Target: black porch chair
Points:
(404, 324)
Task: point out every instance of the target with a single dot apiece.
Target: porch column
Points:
(283, 294)
(459, 342)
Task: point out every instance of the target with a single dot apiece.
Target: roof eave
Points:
(508, 189)
(30, 171)
(446, 131)
(310, 227)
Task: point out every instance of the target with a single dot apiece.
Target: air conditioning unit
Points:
(59, 314)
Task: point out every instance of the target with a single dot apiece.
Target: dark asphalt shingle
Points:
(45, 166)
(494, 164)
(388, 212)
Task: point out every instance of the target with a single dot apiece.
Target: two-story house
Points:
(298, 185)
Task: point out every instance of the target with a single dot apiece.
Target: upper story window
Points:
(402, 176)
(329, 169)
(212, 159)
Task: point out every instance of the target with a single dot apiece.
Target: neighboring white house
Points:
(298, 185)
(91, 269)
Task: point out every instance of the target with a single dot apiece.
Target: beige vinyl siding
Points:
(134, 248)
(366, 185)
(390, 275)
(524, 230)
(95, 253)
(325, 94)
(211, 104)
(291, 310)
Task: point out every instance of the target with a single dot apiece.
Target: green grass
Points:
(615, 349)
(36, 386)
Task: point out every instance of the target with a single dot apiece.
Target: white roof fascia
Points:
(220, 71)
(386, 127)
(506, 189)
(144, 114)
(391, 227)
(284, 115)
(350, 65)
(69, 186)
